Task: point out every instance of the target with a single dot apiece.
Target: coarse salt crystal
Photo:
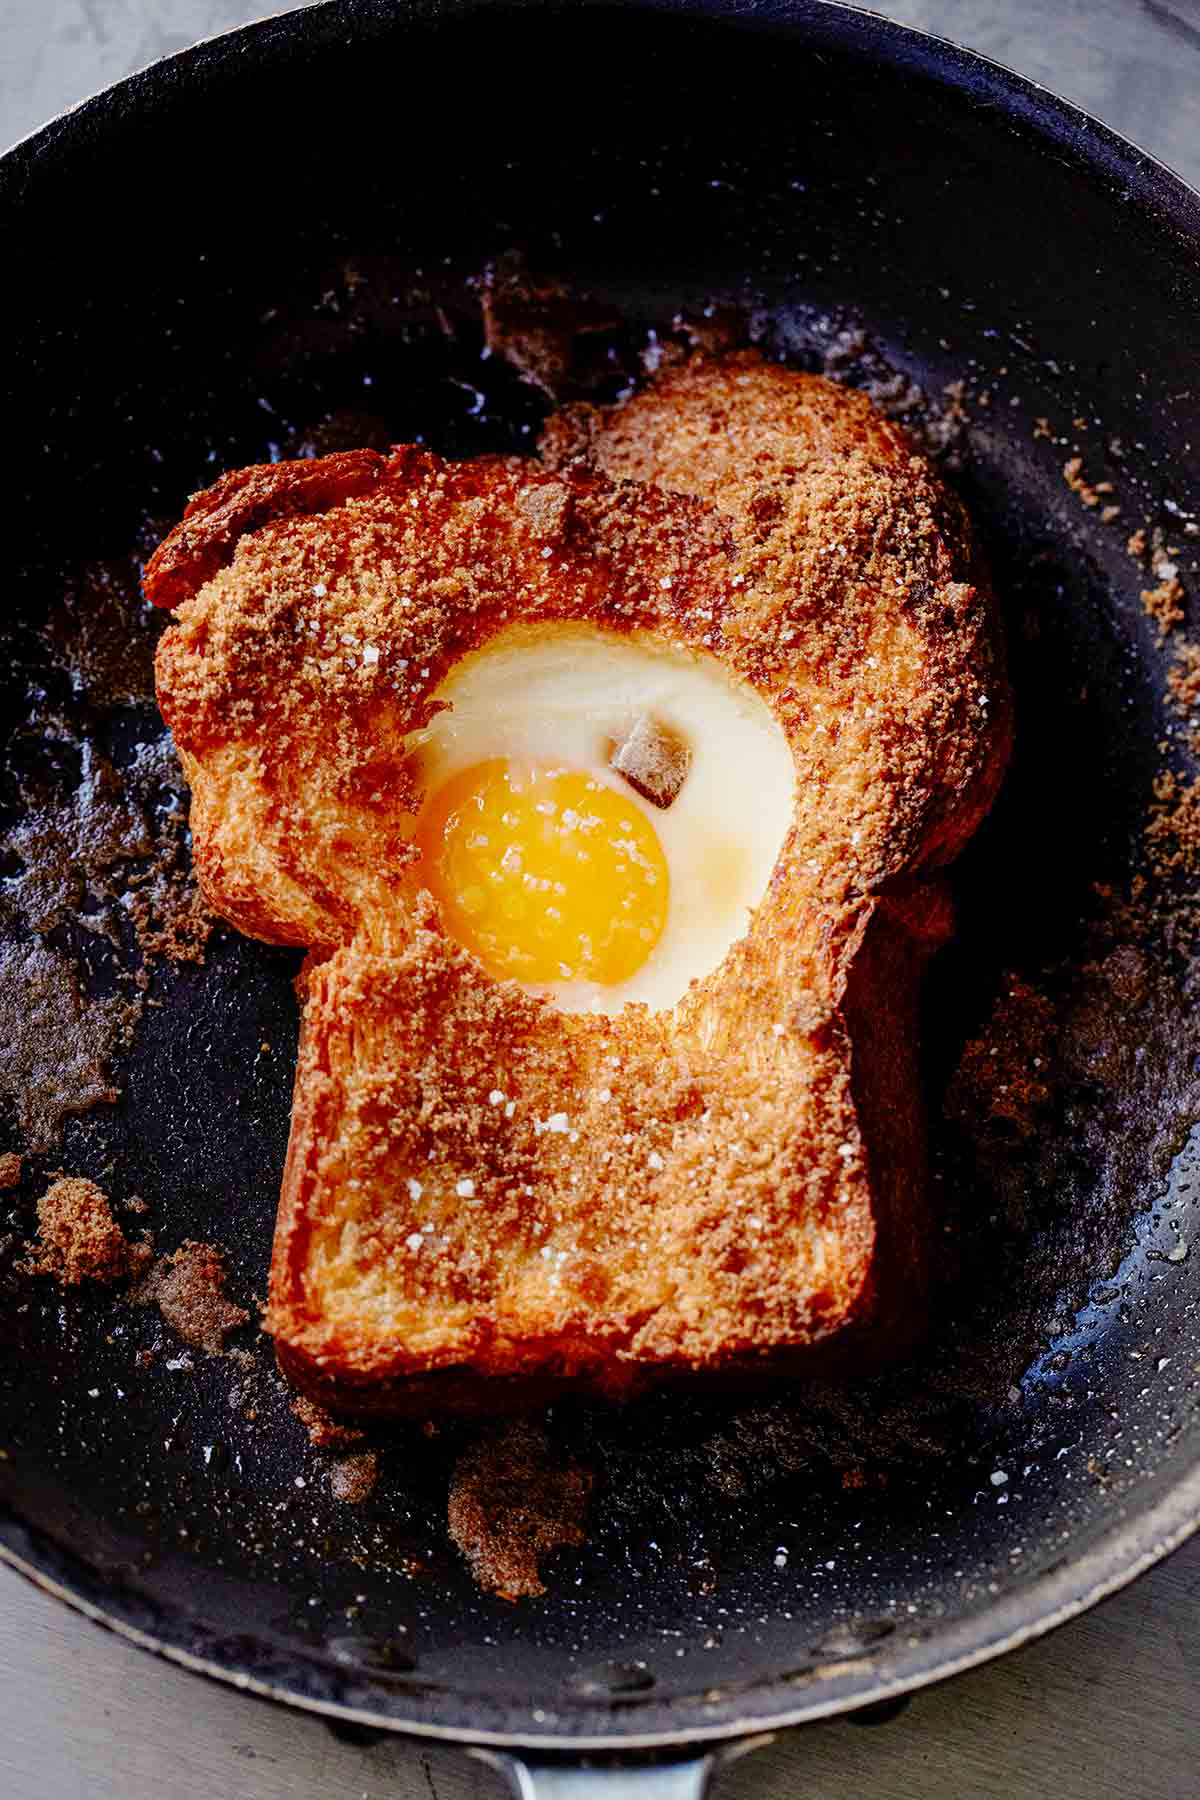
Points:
(778, 1029)
(319, 589)
(998, 1478)
(604, 1096)
(557, 1122)
(414, 1240)
(510, 1109)
(496, 1097)
(464, 1188)
(846, 1152)
(415, 1190)
(665, 582)
(370, 653)
(655, 1161)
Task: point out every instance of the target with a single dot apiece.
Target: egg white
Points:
(561, 695)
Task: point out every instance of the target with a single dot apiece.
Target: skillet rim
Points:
(1073, 1584)
(1072, 1588)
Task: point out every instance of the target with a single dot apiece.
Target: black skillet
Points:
(266, 246)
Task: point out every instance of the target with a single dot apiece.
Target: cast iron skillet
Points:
(265, 246)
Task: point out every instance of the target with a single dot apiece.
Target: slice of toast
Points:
(486, 1198)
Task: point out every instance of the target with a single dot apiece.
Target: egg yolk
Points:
(545, 874)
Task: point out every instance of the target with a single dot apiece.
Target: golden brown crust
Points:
(242, 502)
(655, 1193)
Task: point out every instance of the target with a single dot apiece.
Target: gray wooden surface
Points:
(1109, 1706)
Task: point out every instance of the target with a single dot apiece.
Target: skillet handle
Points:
(535, 1777)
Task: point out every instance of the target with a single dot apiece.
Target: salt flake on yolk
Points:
(545, 874)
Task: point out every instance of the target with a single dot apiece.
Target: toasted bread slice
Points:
(486, 1198)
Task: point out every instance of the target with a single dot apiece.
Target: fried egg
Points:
(602, 812)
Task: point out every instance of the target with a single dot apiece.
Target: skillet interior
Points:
(266, 245)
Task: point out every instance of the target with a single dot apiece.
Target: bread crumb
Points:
(1091, 493)
(1164, 604)
(324, 1431)
(352, 1478)
(10, 1170)
(188, 1287)
(78, 1239)
(1183, 691)
(511, 1504)
(1173, 833)
(654, 760)
(1003, 1083)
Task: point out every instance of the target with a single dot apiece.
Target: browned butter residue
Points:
(512, 1502)
(54, 1046)
(188, 1287)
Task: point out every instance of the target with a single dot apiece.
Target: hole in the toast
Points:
(556, 705)
(607, 1681)
(654, 759)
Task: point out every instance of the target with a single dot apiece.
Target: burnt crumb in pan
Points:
(1164, 604)
(1183, 681)
(513, 1502)
(188, 1288)
(96, 889)
(107, 855)
(79, 1239)
(553, 337)
(1173, 833)
(352, 1478)
(56, 1044)
(324, 1431)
